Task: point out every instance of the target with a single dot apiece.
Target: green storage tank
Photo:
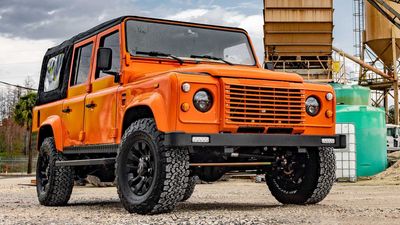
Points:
(370, 127)
(351, 94)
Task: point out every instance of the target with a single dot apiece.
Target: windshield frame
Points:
(196, 25)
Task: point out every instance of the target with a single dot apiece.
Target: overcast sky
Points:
(28, 28)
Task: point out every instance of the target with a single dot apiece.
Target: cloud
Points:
(28, 28)
(58, 19)
(20, 58)
(189, 14)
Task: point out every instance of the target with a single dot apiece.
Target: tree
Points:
(22, 115)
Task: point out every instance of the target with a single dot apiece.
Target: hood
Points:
(242, 72)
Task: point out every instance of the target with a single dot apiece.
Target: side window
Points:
(53, 71)
(82, 61)
(112, 41)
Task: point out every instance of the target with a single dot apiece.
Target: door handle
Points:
(90, 105)
(67, 110)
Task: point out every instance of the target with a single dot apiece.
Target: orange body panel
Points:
(99, 122)
(156, 84)
(50, 115)
(56, 123)
(154, 93)
(74, 120)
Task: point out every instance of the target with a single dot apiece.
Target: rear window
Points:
(53, 71)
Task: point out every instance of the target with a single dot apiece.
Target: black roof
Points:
(93, 31)
(104, 26)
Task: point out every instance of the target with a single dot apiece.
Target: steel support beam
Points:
(363, 64)
(395, 79)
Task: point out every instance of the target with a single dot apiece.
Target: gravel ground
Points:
(233, 202)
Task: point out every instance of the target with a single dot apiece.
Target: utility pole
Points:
(29, 147)
(395, 79)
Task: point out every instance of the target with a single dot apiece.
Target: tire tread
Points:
(171, 186)
(61, 180)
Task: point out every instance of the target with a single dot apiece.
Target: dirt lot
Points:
(233, 202)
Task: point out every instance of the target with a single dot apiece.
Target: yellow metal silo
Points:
(380, 33)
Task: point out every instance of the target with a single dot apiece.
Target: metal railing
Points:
(15, 165)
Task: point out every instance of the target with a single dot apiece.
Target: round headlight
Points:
(312, 106)
(329, 96)
(202, 100)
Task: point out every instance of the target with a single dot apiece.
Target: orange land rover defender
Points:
(152, 104)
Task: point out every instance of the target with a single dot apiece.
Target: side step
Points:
(105, 161)
(86, 162)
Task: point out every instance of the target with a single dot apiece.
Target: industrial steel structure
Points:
(380, 48)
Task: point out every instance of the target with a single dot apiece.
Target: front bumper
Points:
(177, 139)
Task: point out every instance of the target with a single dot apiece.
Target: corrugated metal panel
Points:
(298, 36)
(296, 27)
(299, 3)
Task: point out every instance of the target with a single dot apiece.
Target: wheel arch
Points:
(51, 127)
(150, 106)
(134, 113)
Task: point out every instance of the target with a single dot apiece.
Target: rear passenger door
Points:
(101, 103)
(79, 86)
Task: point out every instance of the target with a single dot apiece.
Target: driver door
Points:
(101, 103)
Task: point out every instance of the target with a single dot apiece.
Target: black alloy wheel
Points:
(140, 167)
(151, 178)
(302, 177)
(43, 169)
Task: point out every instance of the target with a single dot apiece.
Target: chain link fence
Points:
(16, 165)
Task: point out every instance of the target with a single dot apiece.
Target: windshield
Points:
(188, 42)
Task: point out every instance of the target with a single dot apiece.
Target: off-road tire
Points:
(318, 181)
(60, 179)
(171, 175)
(190, 188)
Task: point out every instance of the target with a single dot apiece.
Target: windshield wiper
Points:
(210, 57)
(162, 54)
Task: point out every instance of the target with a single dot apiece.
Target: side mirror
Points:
(104, 63)
(104, 59)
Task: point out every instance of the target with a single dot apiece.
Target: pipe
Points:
(362, 63)
(235, 164)
(248, 156)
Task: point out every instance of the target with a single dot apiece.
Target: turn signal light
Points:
(185, 107)
(328, 113)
